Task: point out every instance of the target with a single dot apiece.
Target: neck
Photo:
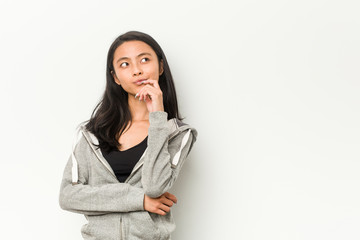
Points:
(138, 109)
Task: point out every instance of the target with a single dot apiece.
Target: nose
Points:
(137, 70)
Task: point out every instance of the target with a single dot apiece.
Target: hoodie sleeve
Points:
(164, 158)
(95, 200)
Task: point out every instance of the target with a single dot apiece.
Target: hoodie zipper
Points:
(135, 169)
(98, 157)
(121, 237)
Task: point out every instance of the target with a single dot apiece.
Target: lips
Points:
(139, 81)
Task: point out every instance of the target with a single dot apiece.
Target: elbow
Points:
(153, 192)
(156, 190)
(62, 202)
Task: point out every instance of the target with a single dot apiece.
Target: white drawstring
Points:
(74, 169)
(183, 143)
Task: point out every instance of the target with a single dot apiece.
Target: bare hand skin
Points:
(160, 205)
(152, 95)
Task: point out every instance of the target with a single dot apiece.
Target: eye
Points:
(145, 58)
(122, 64)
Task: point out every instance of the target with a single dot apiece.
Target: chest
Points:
(133, 135)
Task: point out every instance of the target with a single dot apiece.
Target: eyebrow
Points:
(141, 54)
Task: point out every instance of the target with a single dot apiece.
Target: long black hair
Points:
(111, 115)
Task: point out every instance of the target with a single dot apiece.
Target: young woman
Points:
(127, 157)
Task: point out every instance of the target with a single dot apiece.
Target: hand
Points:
(160, 205)
(152, 95)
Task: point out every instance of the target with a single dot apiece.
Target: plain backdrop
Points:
(271, 86)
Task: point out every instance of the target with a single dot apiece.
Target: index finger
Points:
(171, 197)
(151, 81)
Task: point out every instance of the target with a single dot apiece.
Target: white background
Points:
(271, 86)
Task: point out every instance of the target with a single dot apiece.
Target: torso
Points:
(134, 135)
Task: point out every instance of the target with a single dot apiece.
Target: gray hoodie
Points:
(115, 210)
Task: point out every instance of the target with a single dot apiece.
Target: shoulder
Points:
(180, 123)
(180, 128)
(175, 124)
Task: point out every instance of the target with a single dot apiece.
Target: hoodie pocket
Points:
(102, 227)
(141, 225)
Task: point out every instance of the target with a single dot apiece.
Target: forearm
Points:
(164, 158)
(97, 200)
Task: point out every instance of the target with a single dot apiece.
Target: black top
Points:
(123, 162)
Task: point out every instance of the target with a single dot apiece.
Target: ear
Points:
(115, 78)
(161, 67)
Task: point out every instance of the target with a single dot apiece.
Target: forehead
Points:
(132, 49)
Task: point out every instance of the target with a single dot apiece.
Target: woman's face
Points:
(135, 60)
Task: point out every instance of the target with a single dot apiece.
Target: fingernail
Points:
(136, 95)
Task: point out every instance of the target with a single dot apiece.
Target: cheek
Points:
(154, 69)
(123, 76)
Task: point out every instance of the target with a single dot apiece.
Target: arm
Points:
(95, 200)
(164, 159)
